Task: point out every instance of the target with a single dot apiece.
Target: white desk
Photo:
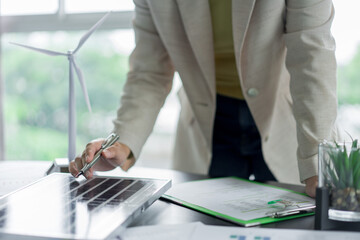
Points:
(17, 174)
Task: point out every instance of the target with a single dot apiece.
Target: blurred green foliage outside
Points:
(349, 81)
(36, 95)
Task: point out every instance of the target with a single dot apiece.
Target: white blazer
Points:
(287, 71)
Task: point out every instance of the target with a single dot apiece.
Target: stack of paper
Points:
(161, 232)
(198, 231)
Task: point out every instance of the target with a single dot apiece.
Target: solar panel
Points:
(61, 207)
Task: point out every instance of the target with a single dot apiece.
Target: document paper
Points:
(199, 231)
(236, 198)
(205, 232)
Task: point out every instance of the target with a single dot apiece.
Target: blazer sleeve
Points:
(312, 66)
(149, 81)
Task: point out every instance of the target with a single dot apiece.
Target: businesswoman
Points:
(259, 87)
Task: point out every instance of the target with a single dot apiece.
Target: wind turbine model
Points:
(72, 65)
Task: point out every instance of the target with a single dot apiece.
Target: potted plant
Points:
(340, 163)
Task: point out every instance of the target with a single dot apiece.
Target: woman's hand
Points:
(310, 186)
(111, 157)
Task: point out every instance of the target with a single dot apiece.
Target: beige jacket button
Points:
(252, 92)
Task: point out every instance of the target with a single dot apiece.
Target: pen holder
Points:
(338, 194)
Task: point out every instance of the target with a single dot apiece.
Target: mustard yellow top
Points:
(227, 78)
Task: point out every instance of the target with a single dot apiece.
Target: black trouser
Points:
(236, 142)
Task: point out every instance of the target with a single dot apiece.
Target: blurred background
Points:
(34, 87)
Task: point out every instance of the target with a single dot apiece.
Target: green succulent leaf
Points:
(343, 169)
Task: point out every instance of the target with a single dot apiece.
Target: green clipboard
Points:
(183, 201)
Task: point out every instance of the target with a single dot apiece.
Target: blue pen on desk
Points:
(109, 141)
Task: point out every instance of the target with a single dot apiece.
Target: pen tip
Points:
(78, 175)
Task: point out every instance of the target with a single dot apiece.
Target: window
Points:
(77, 6)
(35, 102)
(36, 85)
(21, 7)
(348, 59)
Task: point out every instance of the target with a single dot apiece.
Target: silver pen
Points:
(298, 210)
(109, 141)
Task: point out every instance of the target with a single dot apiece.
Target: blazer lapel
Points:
(197, 23)
(241, 14)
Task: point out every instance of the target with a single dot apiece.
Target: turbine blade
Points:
(91, 30)
(82, 83)
(47, 52)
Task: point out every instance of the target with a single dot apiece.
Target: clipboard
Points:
(241, 201)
